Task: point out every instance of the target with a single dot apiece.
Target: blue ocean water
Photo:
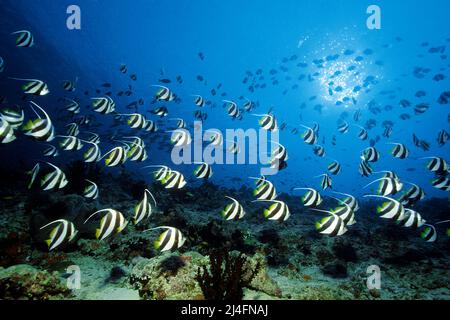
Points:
(151, 37)
(305, 62)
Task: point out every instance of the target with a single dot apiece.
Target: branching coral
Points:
(227, 276)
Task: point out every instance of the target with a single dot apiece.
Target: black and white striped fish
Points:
(150, 126)
(13, 117)
(421, 108)
(116, 156)
(73, 106)
(123, 68)
(40, 129)
(259, 181)
(111, 222)
(248, 105)
(429, 233)
(279, 153)
(198, 100)
(24, 38)
(326, 181)
(278, 165)
(174, 180)
(51, 151)
(267, 122)
(319, 150)
(334, 168)
(309, 136)
(232, 109)
(265, 190)
(70, 143)
(399, 151)
(387, 186)
(171, 239)
(6, 132)
(278, 210)
(332, 225)
(350, 200)
(63, 232)
(370, 154)
(437, 164)
(161, 173)
(91, 191)
(343, 127)
(180, 137)
(344, 212)
(2, 64)
(442, 137)
(160, 111)
(201, 116)
(387, 132)
(412, 195)
(163, 94)
(216, 138)
(181, 124)
(34, 86)
(362, 134)
(391, 209)
(441, 183)
(143, 209)
(364, 168)
(69, 85)
(73, 129)
(103, 105)
(137, 152)
(233, 211)
(203, 171)
(55, 179)
(311, 198)
(136, 120)
(412, 219)
(93, 154)
(424, 145)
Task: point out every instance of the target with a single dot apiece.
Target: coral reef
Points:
(25, 282)
(291, 260)
(174, 276)
(164, 277)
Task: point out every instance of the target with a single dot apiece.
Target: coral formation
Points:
(226, 277)
(26, 282)
(294, 261)
(155, 280)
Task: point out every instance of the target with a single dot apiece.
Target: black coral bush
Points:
(226, 277)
